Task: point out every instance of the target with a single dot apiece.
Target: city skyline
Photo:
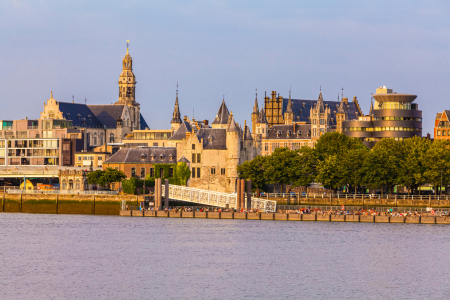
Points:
(221, 48)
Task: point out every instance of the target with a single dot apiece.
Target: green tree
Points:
(437, 163)
(328, 173)
(305, 166)
(254, 170)
(104, 178)
(382, 164)
(351, 167)
(182, 172)
(413, 162)
(280, 167)
(129, 185)
(335, 143)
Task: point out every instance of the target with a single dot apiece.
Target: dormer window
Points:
(278, 133)
(303, 104)
(152, 157)
(161, 156)
(68, 115)
(170, 157)
(299, 133)
(84, 120)
(289, 133)
(89, 116)
(210, 138)
(79, 116)
(337, 106)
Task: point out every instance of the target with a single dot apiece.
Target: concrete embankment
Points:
(288, 217)
(66, 204)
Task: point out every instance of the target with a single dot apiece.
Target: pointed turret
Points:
(221, 119)
(341, 109)
(232, 127)
(371, 108)
(255, 107)
(320, 103)
(262, 117)
(289, 113)
(176, 117)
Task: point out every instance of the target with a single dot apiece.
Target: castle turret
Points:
(255, 114)
(341, 116)
(233, 144)
(289, 113)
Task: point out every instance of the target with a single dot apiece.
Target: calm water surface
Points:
(95, 257)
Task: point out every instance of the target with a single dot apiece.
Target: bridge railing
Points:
(71, 192)
(206, 197)
(188, 194)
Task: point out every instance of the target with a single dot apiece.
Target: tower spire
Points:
(128, 45)
(255, 107)
(176, 117)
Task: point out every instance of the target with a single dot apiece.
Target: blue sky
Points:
(222, 47)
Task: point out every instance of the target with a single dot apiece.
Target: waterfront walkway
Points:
(306, 215)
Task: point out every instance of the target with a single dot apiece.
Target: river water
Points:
(108, 257)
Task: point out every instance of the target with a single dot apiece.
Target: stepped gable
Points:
(181, 132)
(213, 138)
(222, 115)
(80, 114)
(133, 155)
(281, 132)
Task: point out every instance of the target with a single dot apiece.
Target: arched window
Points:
(77, 184)
(94, 139)
(86, 185)
(100, 142)
(111, 138)
(64, 185)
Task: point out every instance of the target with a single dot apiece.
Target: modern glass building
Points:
(392, 116)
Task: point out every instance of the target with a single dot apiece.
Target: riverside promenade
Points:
(312, 217)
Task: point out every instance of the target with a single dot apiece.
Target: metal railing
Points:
(355, 196)
(207, 197)
(71, 192)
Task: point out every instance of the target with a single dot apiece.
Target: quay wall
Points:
(66, 204)
(290, 217)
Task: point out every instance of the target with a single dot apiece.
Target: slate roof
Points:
(438, 115)
(107, 114)
(218, 135)
(143, 122)
(222, 114)
(133, 155)
(281, 132)
(301, 109)
(184, 159)
(181, 132)
(232, 126)
(79, 114)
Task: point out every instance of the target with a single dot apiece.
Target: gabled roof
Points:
(107, 114)
(161, 155)
(181, 132)
(281, 132)
(213, 138)
(222, 114)
(184, 159)
(80, 114)
(301, 109)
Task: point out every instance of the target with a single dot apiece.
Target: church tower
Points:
(176, 117)
(127, 87)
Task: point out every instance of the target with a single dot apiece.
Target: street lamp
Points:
(143, 157)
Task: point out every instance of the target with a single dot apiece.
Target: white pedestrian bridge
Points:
(182, 193)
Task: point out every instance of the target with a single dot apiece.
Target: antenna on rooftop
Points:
(73, 98)
(85, 100)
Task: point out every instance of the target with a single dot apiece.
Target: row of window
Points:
(89, 157)
(397, 119)
(382, 129)
(196, 158)
(444, 132)
(393, 105)
(213, 171)
(152, 172)
(292, 146)
(322, 122)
